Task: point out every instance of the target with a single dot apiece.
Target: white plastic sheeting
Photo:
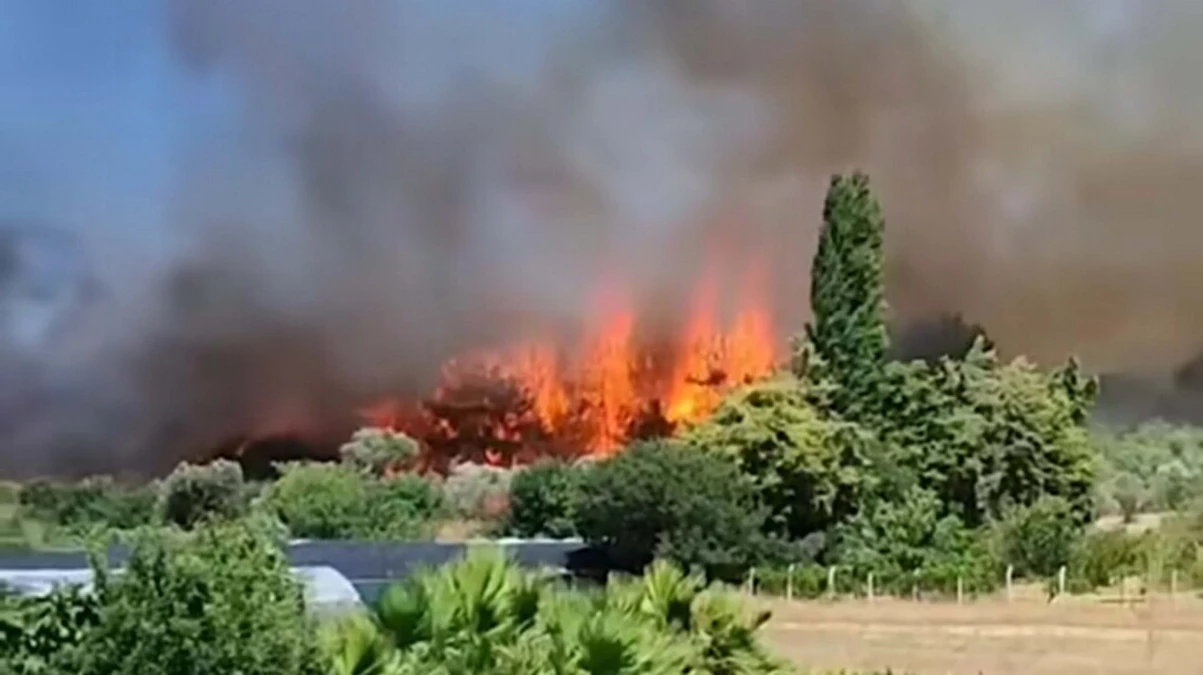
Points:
(325, 588)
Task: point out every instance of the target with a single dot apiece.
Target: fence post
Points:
(1061, 581)
(1173, 583)
(960, 590)
(789, 582)
(831, 582)
(1010, 576)
(752, 581)
(870, 584)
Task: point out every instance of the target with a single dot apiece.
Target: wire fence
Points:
(814, 582)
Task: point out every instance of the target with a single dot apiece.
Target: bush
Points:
(665, 500)
(35, 630)
(193, 494)
(1099, 559)
(909, 543)
(90, 503)
(1040, 538)
(219, 600)
(379, 451)
(543, 500)
(335, 501)
(478, 491)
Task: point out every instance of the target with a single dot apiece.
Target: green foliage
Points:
(35, 630)
(1153, 467)
(911, 543)
(809, 471)
(543, 499)
(1101, 558)
(338, 501)
(96, 502)
(379, 451)
(1040, 538)
(483, 615)
(667, 500)
(219, 600)
(847, 294)
(986, 436)
(193, 494)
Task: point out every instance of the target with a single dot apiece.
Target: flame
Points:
(591, 396)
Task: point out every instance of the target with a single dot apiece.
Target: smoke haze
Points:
(235, 216)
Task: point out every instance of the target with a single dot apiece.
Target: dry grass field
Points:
(1027, 636)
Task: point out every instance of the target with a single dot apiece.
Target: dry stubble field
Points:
(1028, 637)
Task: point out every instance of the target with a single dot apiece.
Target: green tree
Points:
(663, 499)
(379, 451)
(809, 471)
(847, 293)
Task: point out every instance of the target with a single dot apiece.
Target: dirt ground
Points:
(1028, 637)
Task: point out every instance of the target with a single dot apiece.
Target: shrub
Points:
(335, 501)
(35, 630)
(379, 451)
(478, 491)
(1101, 558)
(90, 503)
(193, 494)
(1040, 538)
(543, 500)
(219, 600)
(910, 543)
(666, 500)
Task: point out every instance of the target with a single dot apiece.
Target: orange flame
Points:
(543, 396)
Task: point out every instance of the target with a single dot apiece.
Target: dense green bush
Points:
(1038, 539)
(483, 615)
(219, 600)
(666, 500)
(543, 499)
(34, 631)
(193, 494)
(338, 501)
(910, 543)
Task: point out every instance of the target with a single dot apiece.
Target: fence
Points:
(812, 582)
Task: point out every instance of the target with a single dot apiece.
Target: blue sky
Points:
(89, 114)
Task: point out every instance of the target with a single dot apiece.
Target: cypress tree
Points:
(847, 332)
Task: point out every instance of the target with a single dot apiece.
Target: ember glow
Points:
(593, 392)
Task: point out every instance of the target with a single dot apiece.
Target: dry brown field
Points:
(1027, 636)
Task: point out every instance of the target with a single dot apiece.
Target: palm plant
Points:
(484, 615)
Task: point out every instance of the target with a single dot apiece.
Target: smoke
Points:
(292, 206)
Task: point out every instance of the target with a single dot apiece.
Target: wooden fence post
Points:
(870, 585)
(1061, 581)
(752, 581)
(831, 582)
(1010, 577)
(960, 590)
(789, 582)
(1173, 584)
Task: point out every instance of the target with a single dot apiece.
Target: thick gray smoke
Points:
(357, 190)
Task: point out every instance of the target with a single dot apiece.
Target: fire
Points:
(548, 396)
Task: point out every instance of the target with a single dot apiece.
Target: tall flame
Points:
(546, 396)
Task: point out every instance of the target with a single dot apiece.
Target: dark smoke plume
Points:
(364, 188)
